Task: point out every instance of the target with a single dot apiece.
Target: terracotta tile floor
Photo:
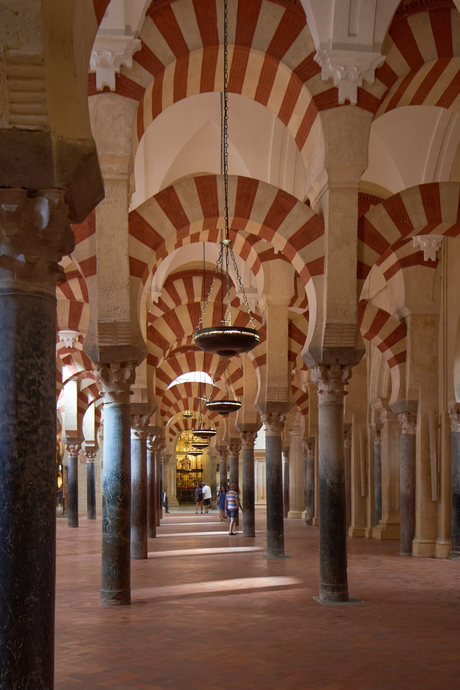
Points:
(209, 611)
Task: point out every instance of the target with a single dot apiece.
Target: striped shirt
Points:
(232, 502)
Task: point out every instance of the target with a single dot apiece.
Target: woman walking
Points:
(232, 503)
(221, 501)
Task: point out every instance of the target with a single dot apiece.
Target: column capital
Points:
(234, 447)
(116, 379)
(377, 436)
(347, 438)
(331, 381)
(309, 448)
(454, 416)
(223, 452)
(285, 452)
(273, 422)
(248, 439)
(408, 421)
(35, 234)
(73, 448)
(90, 455)
(139, 424)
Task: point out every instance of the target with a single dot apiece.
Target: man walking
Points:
(207, 498)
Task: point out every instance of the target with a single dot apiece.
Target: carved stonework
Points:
(139, 425)
(34, 236)
(69, 338)
(377, 437)
(90, 456)
(150, 443)
(223, 454)
(73, 449)
(331, 382)
(109, 53)
(347, 439)
(273, 423)
(408, 421)
(248, 439)
(454, 416)
(286, 454)
(348, 68)
(234, 449)
(430, 244)
(116, 379)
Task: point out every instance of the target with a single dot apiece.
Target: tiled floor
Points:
(209, 611)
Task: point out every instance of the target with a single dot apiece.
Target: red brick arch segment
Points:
(432, 208)
(389, 335)
(185, 212)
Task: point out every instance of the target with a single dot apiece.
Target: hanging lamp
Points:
(199, 432)
(195, 453)
(187, 414)
(200, 445)
(226, 340)
(227, 405)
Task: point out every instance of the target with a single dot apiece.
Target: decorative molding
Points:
(331, 382)
(377, 437)
(113, 333)
(109, 53)
(73, 449)
(116, 379)
(223, 454)
(248, 438)
(90, 456)
(339, 335)
(139, 426)
(348, 68)
(408, 421)
(273, 422)
(430, 244)
(23, 80)
(69, 338)
(234, 449)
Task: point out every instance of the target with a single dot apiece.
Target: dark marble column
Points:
(275, 526)
(90, 484)
(213, 480)
(151, 495)
(34, 236)
(247, 441)
(454, 414)
(116, 380)
(310, 481)
(73, 451)
(234, 447)
(159, 450)
(377, 477)
(408, 421)
(139, 543)
(332, 516)
(223, 455)
(285, 481)
(347, 438)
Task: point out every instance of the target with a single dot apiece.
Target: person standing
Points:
(232, 503)
(221, 501)
(199, 498)
(206, 497)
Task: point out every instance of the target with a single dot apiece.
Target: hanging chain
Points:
(225, 119)
(242, 291)
(219, 263)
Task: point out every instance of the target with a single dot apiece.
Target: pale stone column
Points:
(286, 488)
(73, 451)
(454, 414)
(347, 438)
(275, 526)
(117, 379)
(247, 441)
(377, 437)
(34, 235)
(296, 475)
(223, 456)
(332, 518)
(408, 421)
(309, 446)
(151, 495)
(91, 483)
(139, 531)
(234, 447)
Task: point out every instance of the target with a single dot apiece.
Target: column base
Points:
(173, 502)
(443, 548)
(333, 593)
(91, 517)
(275, 554)
(387, 531)
(356, 531)
(423, 548)
(315, 522)
(297, 514)
(72, 525)
(117, 598)
(368, 532)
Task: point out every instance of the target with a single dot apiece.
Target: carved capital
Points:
(139, 424)
(248, 439)
(116, 379)
(377, 436)
(90, 456)
(73, 449)
(348, 68)
(454, 416)
(223, 454)
(347, 438)
(69, 338)
(273, 422)
(34, 236)
(408, 421)
(286, 454)
(234, 448)
(331, 382)
(429, 244)
(109, 53)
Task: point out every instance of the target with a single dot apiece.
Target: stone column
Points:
(454, 414)
(286, 485)
(332, 518)
(408, 421)
(234, 447)
(139, 544)
(247, 441)
(116, 379)
(213, 480)
(296, 474)
(159, 450)
(34, 235)
(223, 455)
(90, 483)
(347, 467)
(377, 476)
(151, 495)
(275, 527)
(73, 451)
(309, 447)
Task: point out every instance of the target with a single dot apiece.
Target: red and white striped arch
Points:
(178, 215)
(383, 231)
(300, 399)
(389, 335)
